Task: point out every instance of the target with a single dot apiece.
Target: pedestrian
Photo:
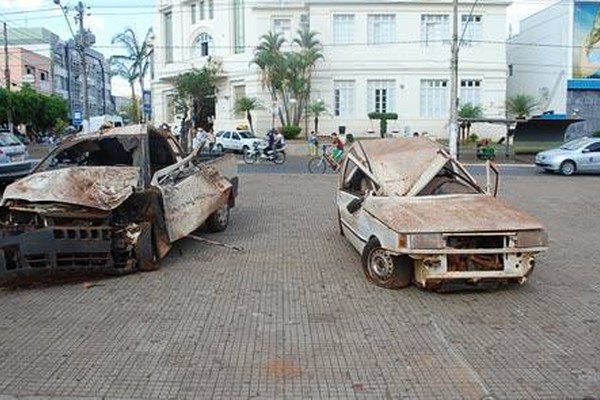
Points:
(211, 139)
(313, 144)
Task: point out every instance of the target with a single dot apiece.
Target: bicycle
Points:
(320, 163)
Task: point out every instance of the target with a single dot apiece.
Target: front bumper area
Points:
(432, 271)
(56, 250)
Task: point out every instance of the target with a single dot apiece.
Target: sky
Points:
(107, 18)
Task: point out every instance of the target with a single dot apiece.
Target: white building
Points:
(555, 58)
(390, 56)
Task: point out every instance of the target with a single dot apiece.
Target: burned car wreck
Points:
(416, 214)
(111, 201)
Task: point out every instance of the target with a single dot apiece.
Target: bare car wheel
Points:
(567, 168)
(219, 220)
(385, 270)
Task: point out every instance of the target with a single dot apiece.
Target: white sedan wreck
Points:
(416, 214)
(111, 201)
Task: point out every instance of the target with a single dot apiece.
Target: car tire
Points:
(567, 168)
(144, 251)
(219, 220)
(384, 269)
(220, 148)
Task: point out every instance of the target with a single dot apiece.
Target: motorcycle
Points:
(257, 153)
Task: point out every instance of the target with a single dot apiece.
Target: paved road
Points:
(299, 165)
(293, 317)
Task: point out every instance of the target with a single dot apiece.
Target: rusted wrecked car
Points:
(113, 200)
(416, 214)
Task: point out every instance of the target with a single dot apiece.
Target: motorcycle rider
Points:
(270, 143)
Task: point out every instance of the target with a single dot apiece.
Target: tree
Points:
(245, 105)
(195, 97)
(316, 109)
(286, 74)
(38, 111)
(137, 53)
(521, 105)
(124, 67)
(468, 110)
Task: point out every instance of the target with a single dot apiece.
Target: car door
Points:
(226, 140)
(236, 141)
(590, 160)
(354, 185)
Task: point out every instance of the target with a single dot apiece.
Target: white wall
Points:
(540, 56)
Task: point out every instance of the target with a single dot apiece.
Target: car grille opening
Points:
(475, 242)
(475, 262)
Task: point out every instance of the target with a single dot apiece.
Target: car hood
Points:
(554, 152)
(104, 188)
(448, 214)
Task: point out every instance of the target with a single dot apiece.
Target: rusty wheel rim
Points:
(381, 265)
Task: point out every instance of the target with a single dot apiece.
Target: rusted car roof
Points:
(103, 188)
(398, 162)
(450, 214)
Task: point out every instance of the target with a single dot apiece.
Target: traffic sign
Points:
(77, 117)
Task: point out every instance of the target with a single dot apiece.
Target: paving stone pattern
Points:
(292, 316)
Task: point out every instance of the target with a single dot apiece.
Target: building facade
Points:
(61, 73)
(391, 56)
(555, 58)
(27, 67)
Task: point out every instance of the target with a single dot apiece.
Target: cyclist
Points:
(337, 147)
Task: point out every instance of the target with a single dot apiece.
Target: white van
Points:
(97, 122)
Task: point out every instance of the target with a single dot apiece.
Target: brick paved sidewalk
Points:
(293, 317)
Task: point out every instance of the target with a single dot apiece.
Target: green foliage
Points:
(287, 74)
(596, 134)
(521, 105)
(469, 110)
(135, 63)
(32, 108)
(291, 131)
(383, 118)
(473, 138)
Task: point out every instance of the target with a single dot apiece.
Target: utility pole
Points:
(7, 78)
(82, 42)
(453, 135)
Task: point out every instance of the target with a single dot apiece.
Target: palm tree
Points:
(310, 52)
(247, 104)
(122, 66)
(316, 109)
(521, 105)
(468, 110)
(138, 53)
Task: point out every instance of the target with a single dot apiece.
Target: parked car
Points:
(14, 158)
(577, 156)
(416, 214)
(241, 141)
(114, 201)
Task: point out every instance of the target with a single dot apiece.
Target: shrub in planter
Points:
(291, 131)
(473, 138)
(596, 134)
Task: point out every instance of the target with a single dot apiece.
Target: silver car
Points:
(579, 155)
(14, 158)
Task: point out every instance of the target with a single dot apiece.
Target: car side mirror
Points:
(585, 150)
(354, 205)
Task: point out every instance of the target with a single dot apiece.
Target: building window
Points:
(211, 9)
(203, 45)
(434, 98)
(43, 76)
(283, 26)
(471, 26)
(510, 70)
(239, 91)
(30, 70)
(343, 98)
(435, 28)
(381, 96)
(202, 11)
(470, 92)
(168, 37)
(381, 28)
(193, 11)
(238, 26)
(304, 21)
(343, 28)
